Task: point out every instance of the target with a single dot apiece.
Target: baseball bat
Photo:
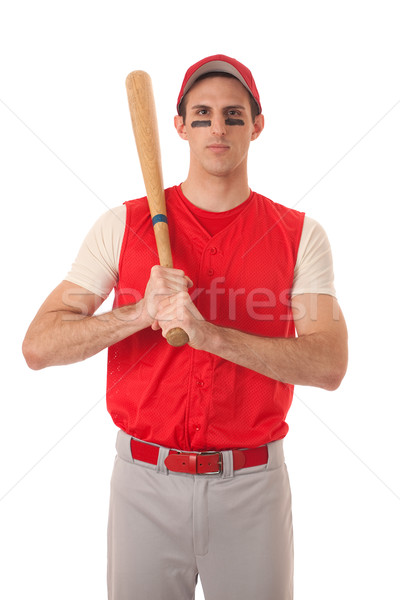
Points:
(144, 123)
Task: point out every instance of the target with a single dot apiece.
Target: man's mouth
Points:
(218, 147)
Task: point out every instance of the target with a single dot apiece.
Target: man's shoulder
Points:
(280, 211)
(136, 202)
(142, 202)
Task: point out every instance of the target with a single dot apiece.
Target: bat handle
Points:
(177, 337)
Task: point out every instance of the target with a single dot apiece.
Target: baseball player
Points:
(200, 486)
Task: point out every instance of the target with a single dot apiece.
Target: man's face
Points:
(218, 126)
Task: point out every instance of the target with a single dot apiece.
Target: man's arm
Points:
(65, 329)
(317, 357)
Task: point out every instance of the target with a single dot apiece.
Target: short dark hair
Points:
(253, 104)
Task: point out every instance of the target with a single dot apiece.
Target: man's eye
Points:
(202, 112)
(233, 113)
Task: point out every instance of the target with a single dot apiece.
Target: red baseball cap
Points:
(221, 64)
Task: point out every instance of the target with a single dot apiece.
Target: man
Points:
(200, 484)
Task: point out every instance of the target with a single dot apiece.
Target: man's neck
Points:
(215, 194)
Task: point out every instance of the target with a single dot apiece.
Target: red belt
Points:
(199, 463)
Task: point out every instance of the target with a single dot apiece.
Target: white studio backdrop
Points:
(327, 73)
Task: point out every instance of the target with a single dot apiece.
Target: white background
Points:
(328, 77)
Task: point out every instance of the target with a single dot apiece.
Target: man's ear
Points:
(258, 126)
(180, 127)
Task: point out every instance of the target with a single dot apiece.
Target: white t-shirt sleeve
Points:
(96, 266)
(313, 273)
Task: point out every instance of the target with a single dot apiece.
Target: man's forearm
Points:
(313, 359)
(63, 337)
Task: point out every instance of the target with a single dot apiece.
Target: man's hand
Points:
(178, 310)
(163, 283)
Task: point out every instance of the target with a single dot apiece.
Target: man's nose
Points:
(218, 126)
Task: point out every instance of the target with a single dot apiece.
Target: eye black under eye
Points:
(231, 121)
(200, 124)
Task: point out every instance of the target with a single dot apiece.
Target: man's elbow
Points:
(335, 376)
(33, 357)
(332, 383)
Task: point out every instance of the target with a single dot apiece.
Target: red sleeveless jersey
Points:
(189, 399)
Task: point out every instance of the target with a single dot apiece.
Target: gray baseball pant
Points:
(234, 529)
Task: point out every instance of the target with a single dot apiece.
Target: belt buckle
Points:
(219, 463)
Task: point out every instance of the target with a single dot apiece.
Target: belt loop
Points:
(162, 455)
(227, 461)
(123, 446)
(276, 456)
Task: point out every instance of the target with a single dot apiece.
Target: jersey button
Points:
(197, 427)
(210, 272)
(200, 383)
(213, 251)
